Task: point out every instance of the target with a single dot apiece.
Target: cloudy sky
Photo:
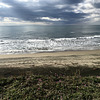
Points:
(49, 12)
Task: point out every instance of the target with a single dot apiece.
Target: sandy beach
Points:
(57, 59)
(43, 75)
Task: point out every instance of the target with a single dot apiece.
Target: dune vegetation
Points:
(50, 83)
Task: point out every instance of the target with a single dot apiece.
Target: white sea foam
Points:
(8, 46)
(98, 36)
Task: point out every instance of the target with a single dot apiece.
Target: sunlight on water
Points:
(32, 39)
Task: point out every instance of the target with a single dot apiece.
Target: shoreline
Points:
(39, 54)
(56, 59)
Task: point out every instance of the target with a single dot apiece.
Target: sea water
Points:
(47, 38)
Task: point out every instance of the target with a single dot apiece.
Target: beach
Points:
(49, 50)
(43, 75)
(90, 58)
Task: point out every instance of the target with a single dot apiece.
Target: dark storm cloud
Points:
(20, 11)
(96, 5)
(5, 12)
(31, 12)
(73, 1)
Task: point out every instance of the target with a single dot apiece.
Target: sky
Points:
(49, 12)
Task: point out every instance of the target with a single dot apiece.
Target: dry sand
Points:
(56, 59)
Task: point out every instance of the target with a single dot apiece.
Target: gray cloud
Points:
(31, 12)
(97, 5)
(73, 1)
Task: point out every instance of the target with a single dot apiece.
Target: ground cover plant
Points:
(51, 83)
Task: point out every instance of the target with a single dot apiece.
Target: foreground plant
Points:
(50, 87)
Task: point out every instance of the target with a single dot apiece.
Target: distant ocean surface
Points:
(33, 39)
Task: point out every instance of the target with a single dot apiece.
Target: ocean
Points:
(48, 38)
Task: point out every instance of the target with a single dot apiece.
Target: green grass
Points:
(49, 83)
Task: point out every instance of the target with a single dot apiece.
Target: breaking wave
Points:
(10, 46)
